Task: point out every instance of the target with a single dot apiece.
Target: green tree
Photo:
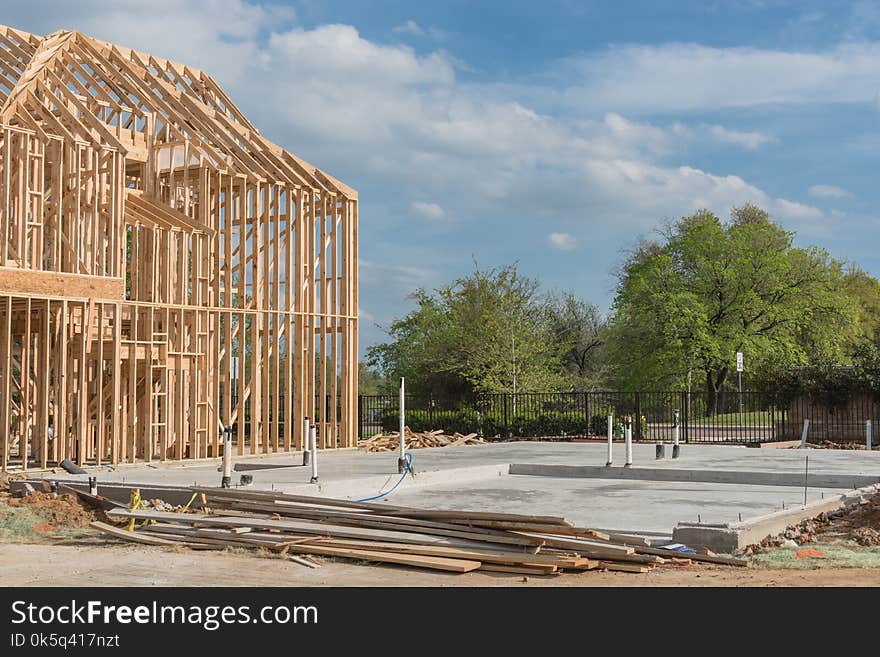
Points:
(486, 332)
(711, 288)
(371, 382)
(580, 330)
(865, 292)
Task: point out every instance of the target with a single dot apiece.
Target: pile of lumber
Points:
(448, 540)
(390, 442)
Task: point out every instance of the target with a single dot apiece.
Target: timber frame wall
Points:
(165, 270)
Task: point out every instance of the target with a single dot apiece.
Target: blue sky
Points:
(552, 133)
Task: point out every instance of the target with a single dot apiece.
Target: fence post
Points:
(506, 424)
(639, 435)
(361, 417)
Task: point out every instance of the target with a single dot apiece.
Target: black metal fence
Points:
(747, 417)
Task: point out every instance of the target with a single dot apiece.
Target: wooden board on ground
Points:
(519, 570)
(624, 567)
(419, 561)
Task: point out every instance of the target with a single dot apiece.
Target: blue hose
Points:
(399, 481)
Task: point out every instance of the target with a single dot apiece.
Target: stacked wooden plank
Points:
(389, 442)
(448, 540)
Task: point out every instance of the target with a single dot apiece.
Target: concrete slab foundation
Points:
(720, 497)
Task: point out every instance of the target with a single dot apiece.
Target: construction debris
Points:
(858, 522)
(830, 444)
(390, 442)
(447, 540)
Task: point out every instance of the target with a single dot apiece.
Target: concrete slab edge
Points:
(732, 537)
(358, 488)
(815, 479)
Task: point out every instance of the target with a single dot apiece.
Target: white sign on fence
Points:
(739, 361)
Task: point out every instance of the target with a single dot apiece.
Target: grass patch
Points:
(17, 526)
(746, 418)
(837, 555)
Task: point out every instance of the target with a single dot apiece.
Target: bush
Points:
(549, 423)
(599, 424)
(462, 420)
(466, 420)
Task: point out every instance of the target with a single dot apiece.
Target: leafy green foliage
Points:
(599, 424)
(371, 382)
(825, 382)
(486, 332)
(579, 328)
(864, 289)
(713, 288)
(463, 420)
(467, 420)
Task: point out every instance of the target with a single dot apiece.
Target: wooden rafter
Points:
(167, 270)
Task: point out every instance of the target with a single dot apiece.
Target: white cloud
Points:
(749, 140)
(794, 210)
(689, 77)
(410, 27)
(401, 121)
(393, 279)
(562, 241)
(414, 29)
(428, 210)
(364, 315)
(828, 191)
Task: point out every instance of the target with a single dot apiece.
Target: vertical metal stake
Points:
(806, 476)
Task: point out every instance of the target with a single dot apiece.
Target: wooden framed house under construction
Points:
(165, 270)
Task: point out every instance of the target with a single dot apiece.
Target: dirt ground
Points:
(862, 525)
(42, 530)
(97, 563)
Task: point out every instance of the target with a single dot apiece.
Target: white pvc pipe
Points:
(314, 453)
(402, 419)
(628, 434)
(306, 445)
(610, 437)
(868, 435)
(227, 457)
(675, 430)
(805, 432)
